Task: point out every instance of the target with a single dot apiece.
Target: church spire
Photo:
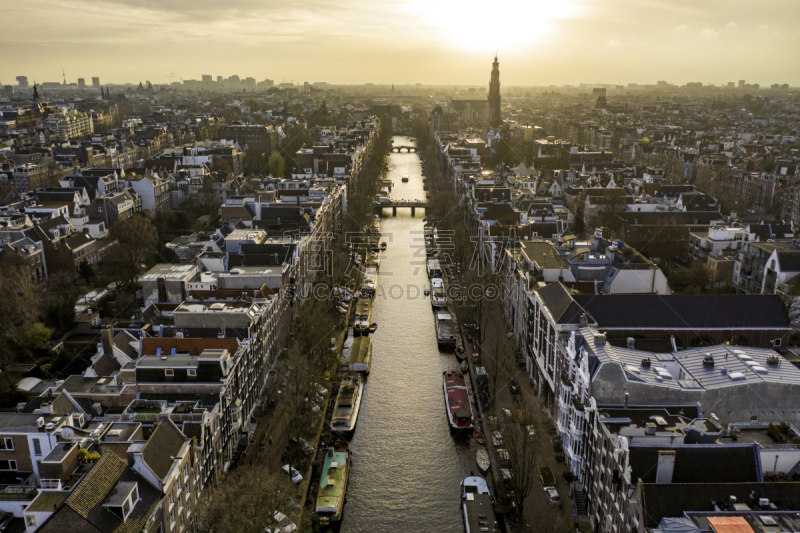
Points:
(494, 92)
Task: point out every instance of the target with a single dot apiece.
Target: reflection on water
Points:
(406, 465)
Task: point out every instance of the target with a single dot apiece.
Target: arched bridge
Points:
(408, 149)
(394, 204)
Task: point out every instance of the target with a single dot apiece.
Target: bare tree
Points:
(522, 439)
(135, 244)
(19, 310)
(246, 502)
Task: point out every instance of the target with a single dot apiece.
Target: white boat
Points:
(483, 460)
(348, 403)
(438, 296)
(476, 506)
(445, 335)
(434, 268)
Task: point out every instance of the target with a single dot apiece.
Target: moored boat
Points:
(363, 317)
(361, 355)
(404, 179)
(438, 295)
(434, 268)
(482, 458)
(383, 246)
(348, 404)
(456, 398)
(477, 506)
(478, 436)
(329, 505)
(444, 330)
(461, 355)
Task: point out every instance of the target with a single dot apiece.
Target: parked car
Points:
(292, 473)
(497, 439)
(552, 496)
(283, 525)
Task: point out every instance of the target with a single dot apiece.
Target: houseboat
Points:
(369, 283)
(404, 179)
(348, 403)
(456, 399)
(363, 317)
(374, 258)
(445, 335)
(438, 294)
(361, 355)
(434, 268)
(477, 507)
(329, 506)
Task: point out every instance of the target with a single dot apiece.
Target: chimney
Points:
(107, 338)
(631, 343)
(627, 396)
(162, 290)
(666, 465)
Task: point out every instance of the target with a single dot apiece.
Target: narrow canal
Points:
(406, 465)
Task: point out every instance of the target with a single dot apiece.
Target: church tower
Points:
(494, 93)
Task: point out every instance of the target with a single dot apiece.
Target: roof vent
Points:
(650, 429)
(772, 360)
(708, 360)
(646, 362)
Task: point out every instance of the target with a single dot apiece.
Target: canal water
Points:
(406, 466)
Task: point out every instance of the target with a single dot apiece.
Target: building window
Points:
(6, 443)
(192, 372)
(777, 342)
(8, 465)
(169, 372)
(37, 447)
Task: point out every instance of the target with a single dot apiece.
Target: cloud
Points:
(732, 26)
(683, 28)
(708, 33)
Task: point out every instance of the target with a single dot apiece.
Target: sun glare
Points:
(500, 24)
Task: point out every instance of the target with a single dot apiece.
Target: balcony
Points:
(50, 484)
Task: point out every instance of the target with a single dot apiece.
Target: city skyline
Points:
(408, 42)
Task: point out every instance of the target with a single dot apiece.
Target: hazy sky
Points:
(539, 42)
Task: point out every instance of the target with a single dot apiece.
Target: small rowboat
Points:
(464, 367)
(373, 327)
(478, 436)
(461, 355)
(483, 460)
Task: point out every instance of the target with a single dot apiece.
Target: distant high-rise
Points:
(96, 83)
(306, 87)
(741, 84)
(81, 83)
(207, 79)
(494, 93)
(22, 81)
(219, 80)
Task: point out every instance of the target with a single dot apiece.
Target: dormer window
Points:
(122, 499)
